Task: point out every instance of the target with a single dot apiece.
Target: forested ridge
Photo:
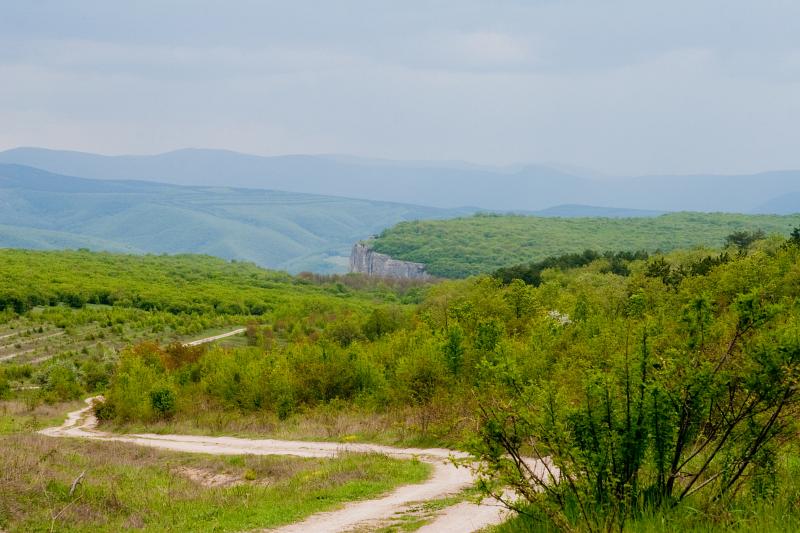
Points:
(482, 243)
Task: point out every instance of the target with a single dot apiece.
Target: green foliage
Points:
(742, 240)
(686, 393)
(137, 375)
(672, 275)
(173, 284)
(480, 244)
(532, 273)
(60, 381)
(5, 387)
(794, 237)
(454, 349)
(162, 400)
(668, 384)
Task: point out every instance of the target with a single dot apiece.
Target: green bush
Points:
(60, 382)
(162, 400)
(5, 386)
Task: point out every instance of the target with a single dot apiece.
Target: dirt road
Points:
(447, 479)
(215, 337)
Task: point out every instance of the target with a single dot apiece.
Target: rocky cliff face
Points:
(367, 261)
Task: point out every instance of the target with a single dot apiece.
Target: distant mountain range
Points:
(284, 230)
(302, 213)
(437, 184)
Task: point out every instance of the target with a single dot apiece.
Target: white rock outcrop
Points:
(365, 260)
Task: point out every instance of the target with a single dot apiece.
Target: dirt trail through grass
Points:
(447, 479)
(215, 337)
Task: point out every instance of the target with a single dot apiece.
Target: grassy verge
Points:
(24, 416)
(412, 426)
(151, 490)
(423, 513)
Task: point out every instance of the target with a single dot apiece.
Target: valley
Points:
(522, 188)
(280, 230)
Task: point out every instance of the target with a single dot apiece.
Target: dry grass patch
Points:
(126, 486)
(207, 478)
(30, 415)
(439, 424)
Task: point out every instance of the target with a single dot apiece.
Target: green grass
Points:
(466, 246)
(130, 487)
(424, 512)
(26, 415)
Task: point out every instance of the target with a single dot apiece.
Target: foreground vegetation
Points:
(483, 243)
(65, 318)
(657, 389)
(129, 487)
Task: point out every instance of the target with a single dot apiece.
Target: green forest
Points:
(481, 243)
(611, 391)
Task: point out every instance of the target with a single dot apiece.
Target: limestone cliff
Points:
(367, 261)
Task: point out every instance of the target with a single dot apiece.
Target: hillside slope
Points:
(274, 229)
(482, 243)
(441, 184)
(445, 184)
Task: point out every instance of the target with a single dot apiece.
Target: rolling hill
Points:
(283, 230)
(784, 204)
(440, 184)
(483, 243)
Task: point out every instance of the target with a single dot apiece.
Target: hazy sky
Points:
(618, 86)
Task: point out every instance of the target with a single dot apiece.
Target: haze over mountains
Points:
(283, 230)
(436, 184)
(305, 212)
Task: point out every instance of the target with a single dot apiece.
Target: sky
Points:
(623, 87)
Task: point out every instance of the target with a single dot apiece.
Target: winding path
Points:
(447, 478)
(215, 337)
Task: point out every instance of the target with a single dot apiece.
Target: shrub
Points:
(162, 399)
(60, 382)
(5, 387)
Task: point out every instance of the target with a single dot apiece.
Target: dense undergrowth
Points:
(64, 316)
(657, 388)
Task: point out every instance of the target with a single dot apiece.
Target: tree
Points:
(794, 237)
(162, 399)
(454, 349)
(742, 240)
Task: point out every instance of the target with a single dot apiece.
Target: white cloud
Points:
(481, 49)
(621, 86)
